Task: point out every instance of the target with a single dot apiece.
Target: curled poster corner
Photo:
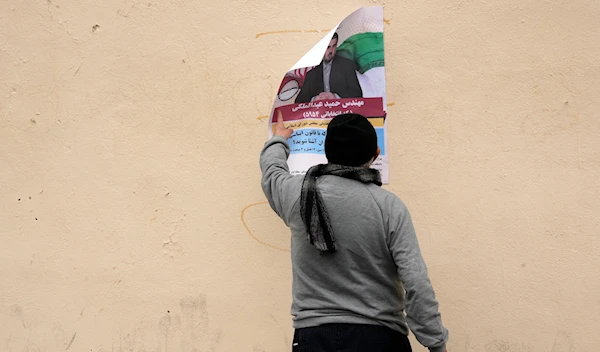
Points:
(343, 73)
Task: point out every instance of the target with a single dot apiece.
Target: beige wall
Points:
(129, 140)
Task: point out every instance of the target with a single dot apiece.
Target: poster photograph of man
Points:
(334, 78)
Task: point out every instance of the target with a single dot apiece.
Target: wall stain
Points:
(78, 68)
(285, 31)
(292, 31)
(252, 234)
(563, 342)
(17, 311)
(286, 340)
(547, 122)
(186, 330)
(506, 346)
(71, 342)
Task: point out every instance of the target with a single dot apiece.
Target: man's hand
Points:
(325, 96)
(280, 129)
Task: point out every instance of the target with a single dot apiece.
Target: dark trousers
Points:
(349, 338)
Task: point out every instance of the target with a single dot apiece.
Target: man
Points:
(334, 78)
(356, 262)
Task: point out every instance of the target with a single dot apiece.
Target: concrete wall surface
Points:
(131, 214)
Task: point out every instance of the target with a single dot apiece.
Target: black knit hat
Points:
(351, 140)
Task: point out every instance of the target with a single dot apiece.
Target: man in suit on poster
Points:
(334, 78)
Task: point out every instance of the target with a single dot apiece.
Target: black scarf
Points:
(314, 214)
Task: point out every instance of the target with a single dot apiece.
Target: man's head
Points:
(351, 141)
(331, 49)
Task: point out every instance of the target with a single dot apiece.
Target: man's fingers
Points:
(280, 120)
(280, 128)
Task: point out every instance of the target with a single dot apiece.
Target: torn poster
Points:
(342, 73)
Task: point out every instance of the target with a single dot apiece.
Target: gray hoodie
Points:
(377, 275)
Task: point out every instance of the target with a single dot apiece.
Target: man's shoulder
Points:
(314, 73)
(340, 60)
(387, 200)
(294, 185)
(315, 69)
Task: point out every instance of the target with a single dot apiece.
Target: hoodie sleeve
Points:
(422, 312)
(280, 187)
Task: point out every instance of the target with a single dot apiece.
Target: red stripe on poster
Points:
(328, 109)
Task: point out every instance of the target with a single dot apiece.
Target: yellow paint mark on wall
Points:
(292, 31)
(285, 31)
(252, 234)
